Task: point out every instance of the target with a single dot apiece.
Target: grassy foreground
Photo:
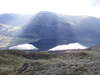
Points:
(24, 63)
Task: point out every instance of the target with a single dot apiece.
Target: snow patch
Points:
(68, 46)
(24, 47)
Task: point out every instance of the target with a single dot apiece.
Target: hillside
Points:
(7, 33)
(24, 63)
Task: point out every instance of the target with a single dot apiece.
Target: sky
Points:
(67, 7)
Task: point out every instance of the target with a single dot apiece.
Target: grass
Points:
(10, 61)
(14, 62)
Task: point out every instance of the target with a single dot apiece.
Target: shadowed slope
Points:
(50, 29)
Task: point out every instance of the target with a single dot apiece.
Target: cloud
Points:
(26, 6)
(69, 7)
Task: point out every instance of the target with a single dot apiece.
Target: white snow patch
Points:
(24, 47)
(68, 46)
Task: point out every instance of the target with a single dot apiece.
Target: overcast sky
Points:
(67, 7)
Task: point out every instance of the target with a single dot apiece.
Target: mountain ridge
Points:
(52, 29)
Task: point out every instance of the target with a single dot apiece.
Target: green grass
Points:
(10, 61)
(14, 62)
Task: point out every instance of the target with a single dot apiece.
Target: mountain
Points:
(47, 29)
(50, 29)
(87, 30)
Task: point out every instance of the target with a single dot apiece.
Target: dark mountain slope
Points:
(47, 29)
(50, 29)
(87, 31)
